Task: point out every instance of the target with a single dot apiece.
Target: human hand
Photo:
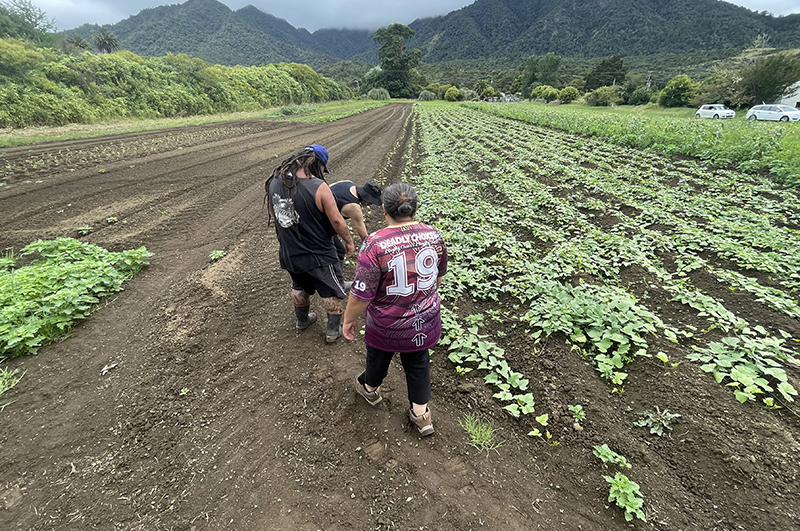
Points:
(350, 249)
(349, 330)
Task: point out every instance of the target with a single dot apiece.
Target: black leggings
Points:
(417, 366)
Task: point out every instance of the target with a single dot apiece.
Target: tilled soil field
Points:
(218, 415)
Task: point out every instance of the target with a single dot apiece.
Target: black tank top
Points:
(304, 233)
(341, 191)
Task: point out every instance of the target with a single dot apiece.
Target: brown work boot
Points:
(373, 398)
(423, 422)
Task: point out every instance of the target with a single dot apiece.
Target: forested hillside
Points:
(499, 30)
(595, 28)
(211, 31)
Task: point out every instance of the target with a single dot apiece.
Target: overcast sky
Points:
(310, 14)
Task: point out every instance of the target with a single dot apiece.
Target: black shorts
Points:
(327, 280)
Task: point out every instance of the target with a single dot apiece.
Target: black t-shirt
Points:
(341, 191)
(304, 233)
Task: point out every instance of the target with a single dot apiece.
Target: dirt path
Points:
(218, 415)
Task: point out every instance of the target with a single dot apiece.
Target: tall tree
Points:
(610, 71)
(105, 41)
(23, 20)
(397, 65)
(75, 44)
(547, 70)
(770, 78)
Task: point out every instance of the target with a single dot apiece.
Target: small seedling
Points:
(481, 433)
(8, 379)
(535, 432)
(86, 229)
(607, 455)
(578, 414)
(462, 370)
(216, 255)
(657, 421)
(184, 391)
(626, 494)
(111, 220)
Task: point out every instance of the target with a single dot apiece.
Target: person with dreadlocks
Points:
(306, 221)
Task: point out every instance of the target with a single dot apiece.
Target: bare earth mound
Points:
(218, 415)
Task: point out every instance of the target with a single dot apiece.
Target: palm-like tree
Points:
(105, 41)
(78, 42)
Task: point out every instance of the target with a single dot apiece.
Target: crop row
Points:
(749, 146)
(553, 223)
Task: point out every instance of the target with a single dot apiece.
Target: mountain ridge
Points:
(485, 29)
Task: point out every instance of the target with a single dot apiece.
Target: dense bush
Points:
(640, 96)
(678, 92)
(427, 95)
(452, 94)
(568, 94)
(467, 94)
(378, 94)
(604, 96)
(45, 87)
(544, 92)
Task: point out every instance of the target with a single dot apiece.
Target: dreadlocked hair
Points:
(286, 171)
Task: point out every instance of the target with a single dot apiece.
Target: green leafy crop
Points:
(41, 302)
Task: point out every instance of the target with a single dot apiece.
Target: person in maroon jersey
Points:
(398, 272)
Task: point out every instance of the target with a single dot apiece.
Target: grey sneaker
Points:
(373, 398)
(423, 422)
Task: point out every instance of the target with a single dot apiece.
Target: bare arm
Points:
(354, 212)
(327, 204)
(355, 307)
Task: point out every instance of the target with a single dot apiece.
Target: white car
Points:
(714, 110)
(776, 113)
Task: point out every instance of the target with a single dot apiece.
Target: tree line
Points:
(759, 74)
(47, 81)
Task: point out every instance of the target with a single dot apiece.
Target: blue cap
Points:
(321, 153)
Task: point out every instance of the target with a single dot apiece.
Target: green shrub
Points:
(604, 96)
(545, 92)
(426, 95)
(679, 90)
(44, 87)
(640, 96)
(568, 94)
(379, 94)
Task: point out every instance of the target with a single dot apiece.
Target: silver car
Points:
(714, 110)
(775, 113)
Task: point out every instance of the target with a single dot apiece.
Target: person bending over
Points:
(349, 201)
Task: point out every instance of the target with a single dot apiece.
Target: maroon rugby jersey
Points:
(396, 273)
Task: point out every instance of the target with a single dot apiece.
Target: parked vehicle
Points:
(776, 113)
(714, 110)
